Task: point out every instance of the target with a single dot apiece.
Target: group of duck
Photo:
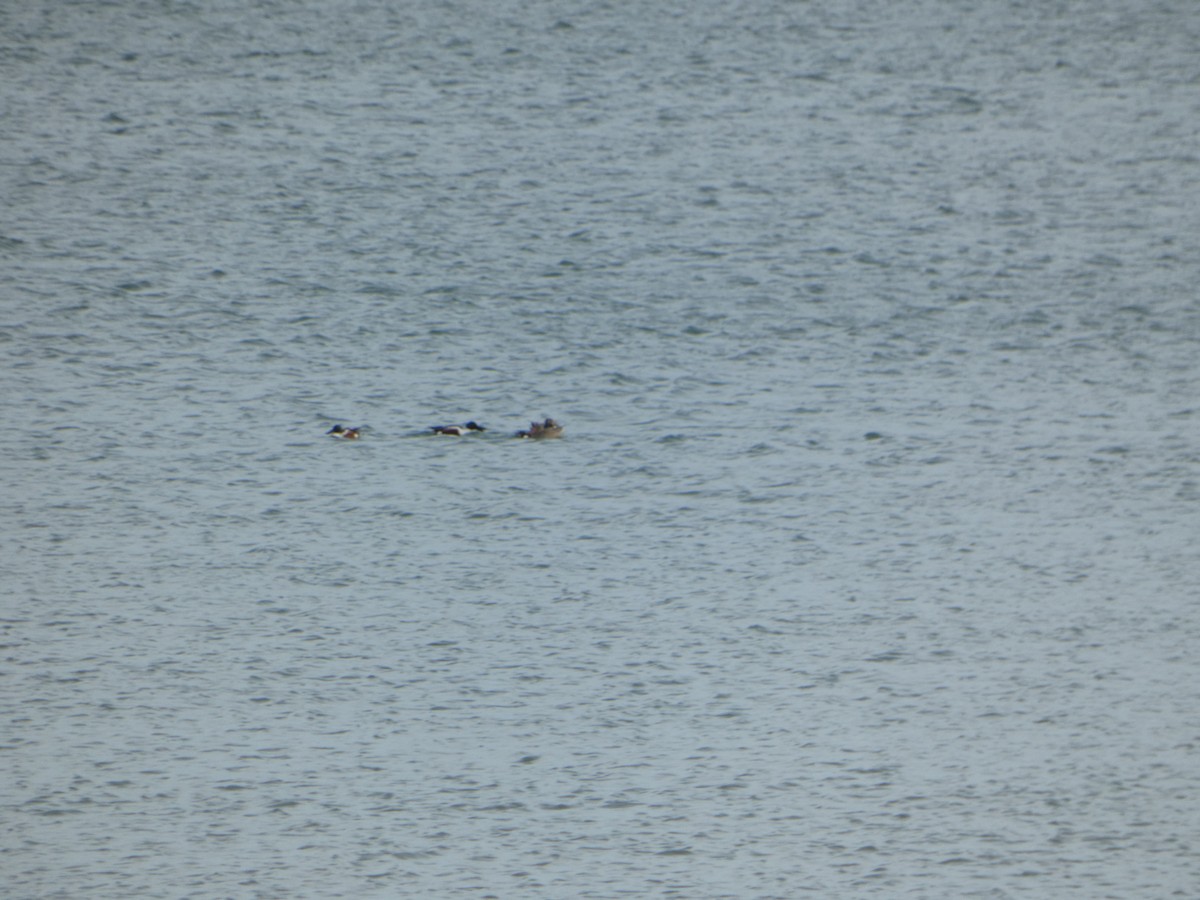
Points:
(536, 430)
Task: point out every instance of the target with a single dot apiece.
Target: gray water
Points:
(866, 566)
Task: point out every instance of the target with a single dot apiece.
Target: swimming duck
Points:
(547, 429)
(349, 434)
(458, 430)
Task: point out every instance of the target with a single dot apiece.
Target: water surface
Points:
(865, 568)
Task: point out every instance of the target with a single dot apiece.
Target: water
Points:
(865, 569)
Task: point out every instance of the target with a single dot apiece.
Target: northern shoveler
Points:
(547, 429)
(349, 434)
(458, 430)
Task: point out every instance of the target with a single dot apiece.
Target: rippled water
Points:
(866, 566)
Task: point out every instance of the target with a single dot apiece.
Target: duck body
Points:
(346, 434)
(458, 430)
(542, 430)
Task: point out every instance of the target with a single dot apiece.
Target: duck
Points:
(546, 429)
(458, 430)
(348, 434)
